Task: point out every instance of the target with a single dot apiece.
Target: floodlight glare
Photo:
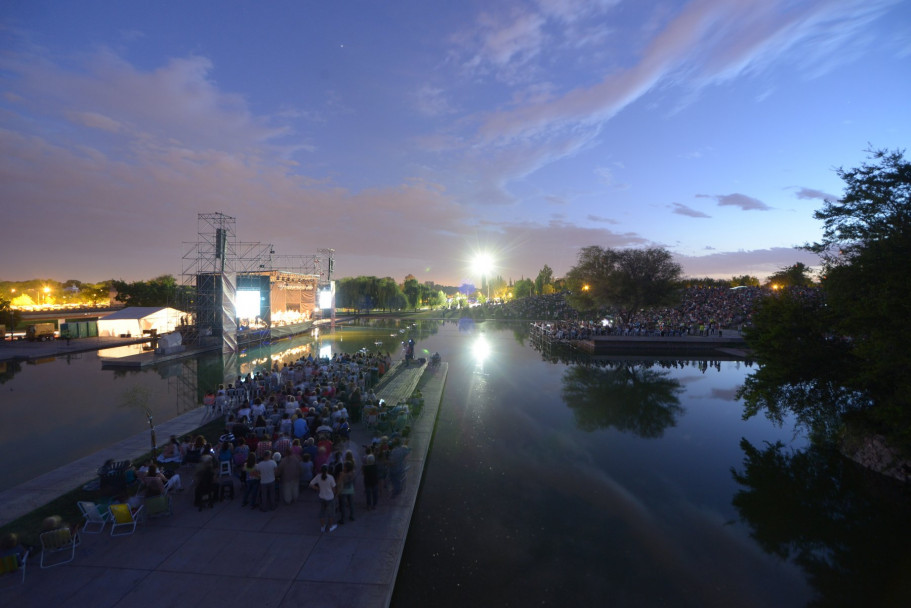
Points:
(482, 264)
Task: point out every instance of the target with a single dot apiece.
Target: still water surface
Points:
(630, 483)
(555, 484)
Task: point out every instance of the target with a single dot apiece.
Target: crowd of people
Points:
(701, 311)
(288, 428)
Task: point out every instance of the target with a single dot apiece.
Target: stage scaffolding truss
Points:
(217, 264)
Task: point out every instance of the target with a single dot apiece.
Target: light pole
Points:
(148, 413)
(483, 264)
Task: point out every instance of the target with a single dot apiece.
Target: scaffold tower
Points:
(209, 273)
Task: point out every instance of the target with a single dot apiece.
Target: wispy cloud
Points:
(94, 121)
(747, 203)
(706, 42)
(177, 103)
(601, 219)
(556, 200)
(432, 101)
(813, 194)
(681, 209)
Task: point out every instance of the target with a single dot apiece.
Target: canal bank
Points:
(234, 556)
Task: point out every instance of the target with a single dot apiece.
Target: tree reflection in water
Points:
(846, 527)
(630, 397)
(8, 369)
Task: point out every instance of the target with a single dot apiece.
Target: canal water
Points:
(552, 482)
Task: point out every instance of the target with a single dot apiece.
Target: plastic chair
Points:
(10, 564)
(158, 506)
(95, 515)
(225, 480)
(60, 540)
(124, 517)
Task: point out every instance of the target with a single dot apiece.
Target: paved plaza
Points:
(232, 555)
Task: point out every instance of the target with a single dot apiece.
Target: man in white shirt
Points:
(266, 468)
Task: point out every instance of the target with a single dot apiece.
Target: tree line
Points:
(843, 356)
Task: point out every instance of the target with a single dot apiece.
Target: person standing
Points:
(346, 492)
(251, 482)
(324, 483)
(289, 471)
(371, 479)
(266, 468)
(398, 466)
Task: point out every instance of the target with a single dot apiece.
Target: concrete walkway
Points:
(23, 350)
(234, 556)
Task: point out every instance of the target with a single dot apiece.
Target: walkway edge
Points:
(421, 437)
(37, 492)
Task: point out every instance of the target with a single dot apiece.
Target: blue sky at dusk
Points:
(407, 135)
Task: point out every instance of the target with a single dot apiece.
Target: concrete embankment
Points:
(695, 345)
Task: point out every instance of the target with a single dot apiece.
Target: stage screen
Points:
(248, 304)
(325, 298)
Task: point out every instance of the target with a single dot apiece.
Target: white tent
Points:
(135, 320)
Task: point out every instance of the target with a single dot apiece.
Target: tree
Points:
(160, 291)
(866, 285)
(856, 340)
(8, 316)
(870, 299)
(95, 292)
(793, 333)
(705, 282)
(545, 277)
(876, 205)
(436, 298)
(792, 276)
(389, 295)
(523, 288)
(745, 280)
(412, 291)
(498, 287)
(627, 280)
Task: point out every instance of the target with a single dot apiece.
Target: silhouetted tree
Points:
(626, 280)
(797, 275)
(160, 291)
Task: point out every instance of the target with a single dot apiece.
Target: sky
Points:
(410, 136)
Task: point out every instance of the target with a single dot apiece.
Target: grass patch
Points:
(28, 527)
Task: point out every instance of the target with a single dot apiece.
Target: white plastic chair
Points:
(60, 540)
(94, 516)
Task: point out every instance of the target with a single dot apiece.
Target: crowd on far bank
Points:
(702, 311)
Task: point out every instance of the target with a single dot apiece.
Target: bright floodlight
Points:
(482, 264)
